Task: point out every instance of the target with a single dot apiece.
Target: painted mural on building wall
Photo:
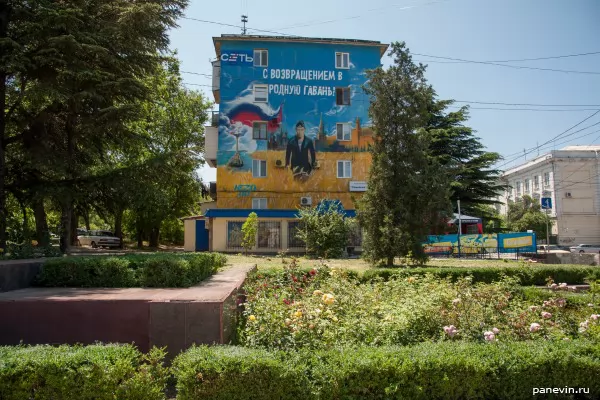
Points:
(479, 243)
(296, 117)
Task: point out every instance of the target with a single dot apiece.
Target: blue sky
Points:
(479, 30)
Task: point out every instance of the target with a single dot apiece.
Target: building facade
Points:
(292, 130)
(570, 177)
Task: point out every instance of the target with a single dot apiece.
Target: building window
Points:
(344, 169)
(536, 182)
(293, 241)
(269, 235)
(343, 132)
(234, 235)
(527, 186)
(259, 130)
(518, 189)
(259, 203)
(261, 93)
(342, 60)
(259, 168)
(342, 96)
(546, 179)
(261, 58)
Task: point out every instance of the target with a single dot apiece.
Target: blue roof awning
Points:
(261, 213)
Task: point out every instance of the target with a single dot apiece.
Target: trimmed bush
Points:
(530, 275)
(230, 373)
(426, 371)
(93, 372)
(136, 270)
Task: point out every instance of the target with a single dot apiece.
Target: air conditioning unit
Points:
(305, 201)
(568, 195)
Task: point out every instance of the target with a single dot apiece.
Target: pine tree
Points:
(475, 181)
(408, 192)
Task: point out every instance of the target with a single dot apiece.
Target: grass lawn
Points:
(269, 262)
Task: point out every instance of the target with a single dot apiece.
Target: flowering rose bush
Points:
(324, 307)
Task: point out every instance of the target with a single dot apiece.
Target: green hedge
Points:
(229, 373)
(447, 370)
(530, 275)
(92, 372)
(136, 270)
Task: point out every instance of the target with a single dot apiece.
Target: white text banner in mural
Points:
(302, 74)
(358, 186)
(240, 57)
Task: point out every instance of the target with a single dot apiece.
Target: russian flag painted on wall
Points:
(247, 113)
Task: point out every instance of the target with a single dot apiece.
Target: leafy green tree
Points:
(408, 191)
(474, 180)
(69, 77)
(325, 229)
(526, 214)
(249, 230)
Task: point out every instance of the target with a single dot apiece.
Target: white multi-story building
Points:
(571, 178)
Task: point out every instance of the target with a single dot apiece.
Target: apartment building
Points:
(292, 130)
(570, 177)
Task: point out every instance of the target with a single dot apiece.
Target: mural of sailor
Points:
(300, 153)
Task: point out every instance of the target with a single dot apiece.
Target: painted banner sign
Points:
(489, 243)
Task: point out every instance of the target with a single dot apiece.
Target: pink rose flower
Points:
(489, 336)
(546, 315)
(496, 330)
(595, 317)
(561, 302)
(450, 330)
(534, 327)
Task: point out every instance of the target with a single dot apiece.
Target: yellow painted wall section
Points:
(189, 238)
(283, 190)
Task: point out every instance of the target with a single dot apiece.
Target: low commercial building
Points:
(570, 178)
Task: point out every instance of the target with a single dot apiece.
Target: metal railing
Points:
(479, 252)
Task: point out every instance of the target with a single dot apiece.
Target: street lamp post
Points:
(459, 227)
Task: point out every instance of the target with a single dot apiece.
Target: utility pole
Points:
(244, 20)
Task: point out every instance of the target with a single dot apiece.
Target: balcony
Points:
(216, 81)
(211, 140)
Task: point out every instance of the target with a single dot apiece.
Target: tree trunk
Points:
(41, 223)
(390, 261)
(4, 18)
(74, 223)
(139, 234)
(65, 224)
(25, 227)
(154, 236)
(86, 218)
(119, 226)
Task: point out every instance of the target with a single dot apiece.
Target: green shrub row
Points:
(527, 275)
(92, 372)
(448, 370)
(427, 371)
(137, 270)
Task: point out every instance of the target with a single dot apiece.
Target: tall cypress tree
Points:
(408, 191)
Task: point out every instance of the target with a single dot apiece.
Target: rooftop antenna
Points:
(244, 20)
